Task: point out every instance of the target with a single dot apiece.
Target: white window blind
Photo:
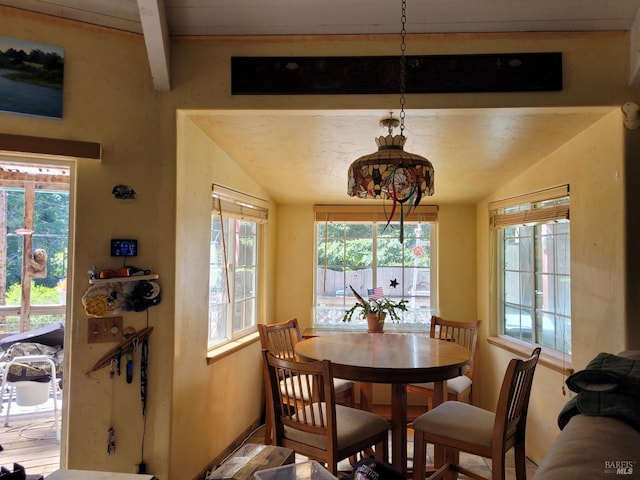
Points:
(372, 213)
(544, 206)
(231, 203)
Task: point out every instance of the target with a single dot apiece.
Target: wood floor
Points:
(30, 439)
(478, 464)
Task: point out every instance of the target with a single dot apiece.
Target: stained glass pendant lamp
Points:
(391, 173)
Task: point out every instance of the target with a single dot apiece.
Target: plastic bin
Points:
(29, 394)
(311, 470)
(251, 458)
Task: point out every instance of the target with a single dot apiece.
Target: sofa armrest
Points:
(589, 447)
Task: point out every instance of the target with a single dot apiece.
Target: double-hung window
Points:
(533, 268)
(236, 221)
(356, 248)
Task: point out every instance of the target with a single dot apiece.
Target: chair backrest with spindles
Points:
(513, 402)
(308, 386)
(462, 333)
(280, 338)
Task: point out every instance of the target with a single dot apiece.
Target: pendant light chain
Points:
(392, 173)
(403, 65)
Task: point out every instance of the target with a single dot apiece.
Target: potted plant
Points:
(375, 311)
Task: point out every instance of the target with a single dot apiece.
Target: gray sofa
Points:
(594, 446)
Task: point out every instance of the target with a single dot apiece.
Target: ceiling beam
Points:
(156, 37)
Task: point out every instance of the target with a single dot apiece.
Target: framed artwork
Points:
(31, 77)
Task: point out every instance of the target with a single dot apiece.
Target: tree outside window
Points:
(47, 209)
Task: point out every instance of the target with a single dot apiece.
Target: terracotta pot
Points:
(376, 323)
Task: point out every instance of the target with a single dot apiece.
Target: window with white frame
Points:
(356, 248)
(236, 222)
(533, 268)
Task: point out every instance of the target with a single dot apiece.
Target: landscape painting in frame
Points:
(31, 75)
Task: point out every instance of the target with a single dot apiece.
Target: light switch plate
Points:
(104, 330)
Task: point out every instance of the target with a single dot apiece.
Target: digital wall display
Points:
(124, 248)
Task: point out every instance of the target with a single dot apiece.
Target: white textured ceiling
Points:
(304, 155)
(473, 151)
(329, 17)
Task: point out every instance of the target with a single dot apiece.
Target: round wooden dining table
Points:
(390, 358)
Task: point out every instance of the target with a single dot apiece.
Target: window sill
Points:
(227, 349)
(550, 359)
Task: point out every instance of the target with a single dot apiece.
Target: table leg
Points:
(366, 396)
(399, 427)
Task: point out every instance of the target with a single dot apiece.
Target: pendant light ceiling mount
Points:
(390, 123)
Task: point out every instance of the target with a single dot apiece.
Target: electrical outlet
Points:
(104, 330)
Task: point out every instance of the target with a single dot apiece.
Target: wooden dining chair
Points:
(308, 420)
(280, 339)
(462, 333)
(458, 426)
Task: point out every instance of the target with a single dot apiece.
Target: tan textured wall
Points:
(108, 99)
(194, 410)
(456, 263)
(207, 399)
(592, 164)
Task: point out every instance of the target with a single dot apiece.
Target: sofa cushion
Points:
(590, 447)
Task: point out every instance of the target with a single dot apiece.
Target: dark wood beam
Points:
(50, 146)
(459, 73)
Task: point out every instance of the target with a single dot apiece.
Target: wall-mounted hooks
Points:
(632, 115)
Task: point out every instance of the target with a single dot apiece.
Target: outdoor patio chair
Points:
(30, 380)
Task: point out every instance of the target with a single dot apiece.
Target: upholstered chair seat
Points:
(352, 425)
(462, 333)
(460, 420)
(455, 386)
(307, 419)
(280, 339)
(339, 384)
(455, 426)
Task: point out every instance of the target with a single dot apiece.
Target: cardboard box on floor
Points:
(251, 458)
